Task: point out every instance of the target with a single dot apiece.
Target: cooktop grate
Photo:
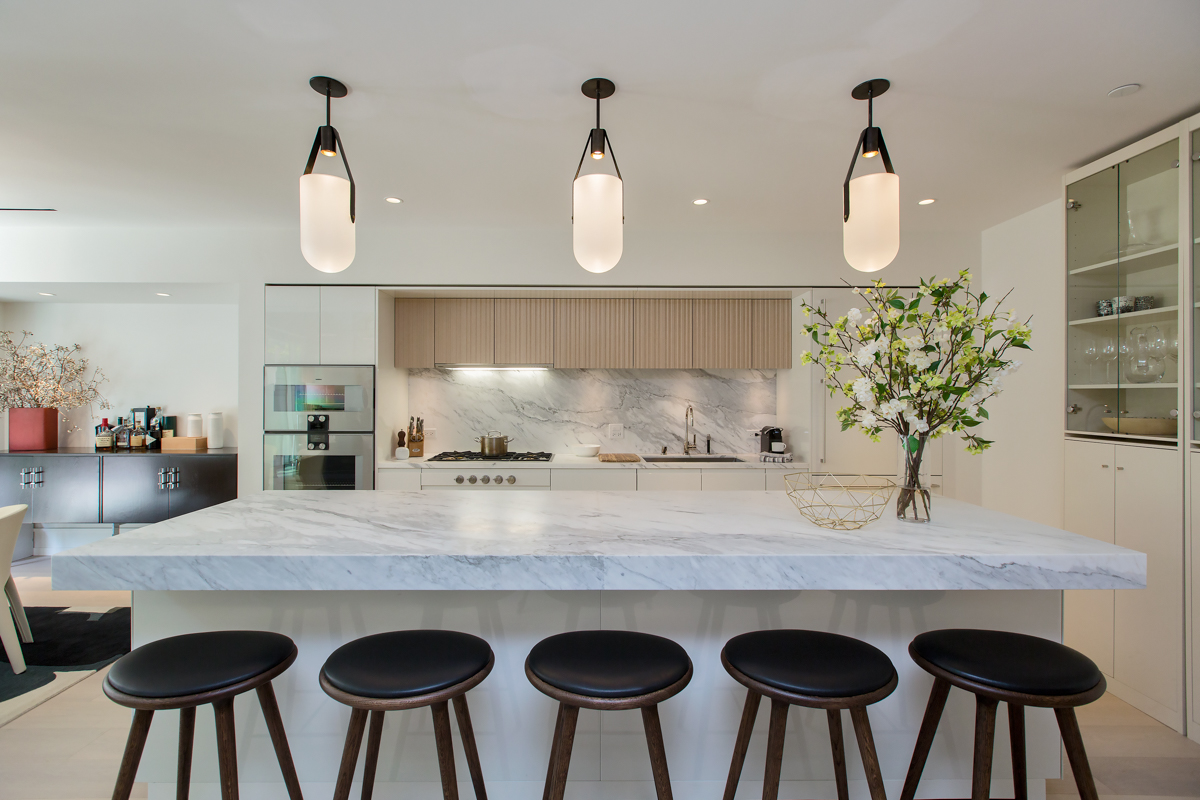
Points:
(475, 455)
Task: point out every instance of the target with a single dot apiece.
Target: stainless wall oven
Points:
(319, 424)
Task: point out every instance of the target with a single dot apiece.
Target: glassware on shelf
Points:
(1091, 357)
(1141, 365)
(1108, 352)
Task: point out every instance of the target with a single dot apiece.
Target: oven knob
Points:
(321, 418)
(472, 479)
(321, 446)
(512, 478)
(486, 479)
(312, 446)
(458, 479)
(310, 417)
(499, 479)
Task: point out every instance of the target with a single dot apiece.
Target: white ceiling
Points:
(154, 113)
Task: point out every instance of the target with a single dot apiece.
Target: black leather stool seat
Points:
(811, 663)
(608, 664)
(198, 662)
(406, 663)
(1013, 662)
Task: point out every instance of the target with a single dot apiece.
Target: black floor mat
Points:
(64, 643)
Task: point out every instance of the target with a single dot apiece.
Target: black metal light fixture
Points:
(597, 198)
(871, 203)
(327, 201)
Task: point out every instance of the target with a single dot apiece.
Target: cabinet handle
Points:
(1120, 469)
(1104, 466)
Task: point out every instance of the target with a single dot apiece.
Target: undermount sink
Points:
(705, 459)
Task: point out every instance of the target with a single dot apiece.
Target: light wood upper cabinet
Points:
(771, 334)
(525, 331)
(464, 331)
(721, 333)
(593, 334)
(414, 332)
(662, 334)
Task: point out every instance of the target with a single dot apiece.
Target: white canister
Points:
(401, 453)
(194, 426)
(216, 430)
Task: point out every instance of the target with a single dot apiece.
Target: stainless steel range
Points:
(478, 471)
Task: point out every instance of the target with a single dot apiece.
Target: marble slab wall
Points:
(553, 409)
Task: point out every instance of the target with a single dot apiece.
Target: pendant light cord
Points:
(327, 102)
(597, 109)
(870, 106)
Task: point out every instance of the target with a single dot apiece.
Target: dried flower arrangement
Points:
(37, 375)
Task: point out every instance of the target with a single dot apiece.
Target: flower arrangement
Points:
(37, 375)
(922, 366)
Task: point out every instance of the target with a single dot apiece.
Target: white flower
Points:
(916, 424)
(854, 315)
(869, 420)
(941, 334)
(892, 408)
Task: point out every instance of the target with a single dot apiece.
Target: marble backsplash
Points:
(553, 409)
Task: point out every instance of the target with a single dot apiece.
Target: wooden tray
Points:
(184, 443)
(623, 458)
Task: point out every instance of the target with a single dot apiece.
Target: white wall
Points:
(178, 356)
(1023, 471)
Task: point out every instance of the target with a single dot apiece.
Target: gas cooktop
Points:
(475, 455)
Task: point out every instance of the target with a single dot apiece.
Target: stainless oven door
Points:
(345, 464)
(345, 394)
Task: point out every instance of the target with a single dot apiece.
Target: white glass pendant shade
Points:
(871, 236)
(326, 231)
(598, 234)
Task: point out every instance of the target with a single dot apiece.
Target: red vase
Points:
(32, 429)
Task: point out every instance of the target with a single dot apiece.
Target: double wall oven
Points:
(319, 427)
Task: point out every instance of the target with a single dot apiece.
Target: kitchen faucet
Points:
(689, 438)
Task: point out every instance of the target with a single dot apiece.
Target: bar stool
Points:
(402, 670)
(1022, 671)
(816, 670)
(195, 669)
(607, 671)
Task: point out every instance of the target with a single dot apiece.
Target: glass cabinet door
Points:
(1123, 298)
(1194, 236)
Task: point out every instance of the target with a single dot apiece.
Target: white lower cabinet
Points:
(671, 480)
(725, 480)
(594, 480)
(398, 480)
(1131, 496)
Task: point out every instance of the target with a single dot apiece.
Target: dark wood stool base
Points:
(222, 703)
(987, 698)
(780, 701)
(438, 702)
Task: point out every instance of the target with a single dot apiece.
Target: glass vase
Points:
(912, 479)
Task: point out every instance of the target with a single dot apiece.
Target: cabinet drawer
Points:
(594, 480)
(398, 480)
(738, 480)
(668, 480)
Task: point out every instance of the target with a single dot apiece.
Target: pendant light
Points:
(871, 203)
(597, 198)
(327, 201)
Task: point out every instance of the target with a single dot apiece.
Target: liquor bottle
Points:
(104, 436)
(137, 437)
(121, 434)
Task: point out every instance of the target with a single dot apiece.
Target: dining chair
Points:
(10, 528)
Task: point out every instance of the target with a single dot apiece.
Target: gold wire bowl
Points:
(840, 502)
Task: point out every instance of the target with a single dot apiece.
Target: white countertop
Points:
(564, 461)
(381, 540)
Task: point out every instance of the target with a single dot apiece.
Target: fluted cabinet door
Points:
(524, 331)
(465, 331)
(771, 334)
(593, 333)
(721, 334)
(414, 333)
(662, 334)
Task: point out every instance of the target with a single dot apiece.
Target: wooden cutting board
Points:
(624, 458)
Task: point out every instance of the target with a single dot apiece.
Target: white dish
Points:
(585, 450)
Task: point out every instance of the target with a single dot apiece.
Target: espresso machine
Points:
(768, 438)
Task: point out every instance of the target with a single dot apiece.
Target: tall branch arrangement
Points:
(37, 375)
(923, 365)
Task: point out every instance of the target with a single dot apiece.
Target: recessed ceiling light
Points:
(393, 199)
(162, 294)
(928, 201)
(699, 202)
(1128, 88)
(46, 294)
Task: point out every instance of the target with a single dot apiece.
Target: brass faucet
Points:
(689, 438)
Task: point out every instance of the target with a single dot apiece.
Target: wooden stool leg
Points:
(445, 750)
(1069, 727)
(187, 737)
(749, 713)
(554, 740)
(837, 743)
(466, 732)
(283, 753)
(133, 753)
(985, 740)
(658, 752)
(1016, 738)
(933, 715)
(374, 735)
(561, 754)
(354, 735)
(866, 746)
(226, 749)
(779, 710)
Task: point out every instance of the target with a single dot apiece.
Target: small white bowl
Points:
(585, 450)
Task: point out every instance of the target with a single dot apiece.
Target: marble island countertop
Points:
(367, 540)
(566, 461)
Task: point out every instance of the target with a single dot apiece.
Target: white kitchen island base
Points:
(513, 721)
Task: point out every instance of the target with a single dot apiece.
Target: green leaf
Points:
(912, 444)
(983, 413)
(970, 423)
(896, 302)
